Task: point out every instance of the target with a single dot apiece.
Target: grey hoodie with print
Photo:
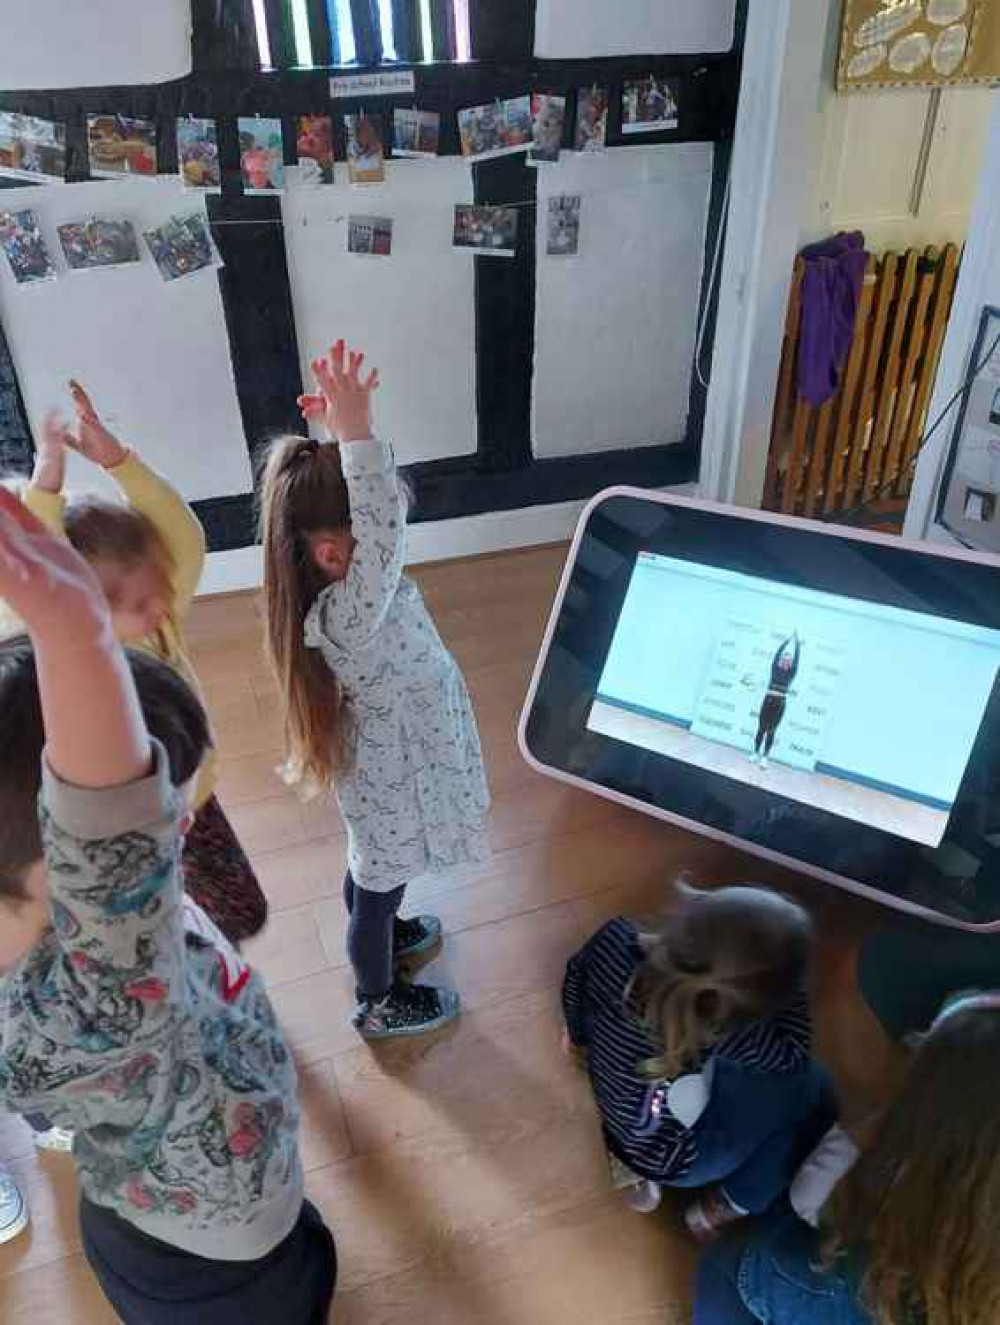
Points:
(135, 1024)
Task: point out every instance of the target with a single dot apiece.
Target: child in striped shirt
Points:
(697, 1039)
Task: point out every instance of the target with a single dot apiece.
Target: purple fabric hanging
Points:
(831, 289)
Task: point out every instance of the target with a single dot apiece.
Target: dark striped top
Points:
(640, 1128)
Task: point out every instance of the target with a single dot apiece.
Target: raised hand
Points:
(92, 439)
(50, 462)
(48, 584)
(343, 402)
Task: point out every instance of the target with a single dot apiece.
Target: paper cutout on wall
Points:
(314, 150)
(32, 149)
(198, 154)
(918, 43)
(182, 246)
(365, 149)
(370, 236)
(98, 242)
(24, 248)
(262, 163)
(121, 145)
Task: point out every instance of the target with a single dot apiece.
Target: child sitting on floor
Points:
(697, 1038)
(149, 556)
(127, 1017)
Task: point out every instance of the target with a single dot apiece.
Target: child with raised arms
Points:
(375, 707)
(127, 1016)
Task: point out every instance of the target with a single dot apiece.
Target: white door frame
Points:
(776, 157)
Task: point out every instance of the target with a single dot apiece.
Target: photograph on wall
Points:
(548, 121)
(849, 706)
(314, 150)
(489, 230)
(370, 236)
(198, 154)
(365, 149)
(563, 233)
(24, 248)
(32, 149)
(98, 242)
(591, 132)
(918, 43)
(119, 145)
(415, 132)
(969, 505)
(499, 129)
(182, 246)
(262, 157)
(648, 106)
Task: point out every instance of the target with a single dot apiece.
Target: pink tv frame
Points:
(692, 825)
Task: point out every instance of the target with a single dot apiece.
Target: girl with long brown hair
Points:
(909, 1236)
(696, 1034)
(375, 708)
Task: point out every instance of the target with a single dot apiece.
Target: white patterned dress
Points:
(415, 798)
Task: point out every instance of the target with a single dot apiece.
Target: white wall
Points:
(155, 354)
(86, 43)
(615, 327)
(413, 312)
(568, 29)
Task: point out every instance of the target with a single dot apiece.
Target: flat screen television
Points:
(828, 699)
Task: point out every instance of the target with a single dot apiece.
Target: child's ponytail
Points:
(302, 492)
(721, 958)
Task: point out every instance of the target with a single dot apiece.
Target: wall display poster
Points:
(262, 161)
(182, 246)
(500, 129)
(487, 230)
(384, 84)
(370, 236)
(314, 150)
(548, 120)
(648, 106)
(563, 234)
(415, 133)
(969, 505)
(24, 248)
(32, 149)
(198, 154)
(365, 149)
(591, 131)
(100, 241)
(918, 43)
(121, 145)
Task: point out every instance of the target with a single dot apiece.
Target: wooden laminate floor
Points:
(463, 1175)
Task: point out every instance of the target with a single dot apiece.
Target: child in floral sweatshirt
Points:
(126, 1015)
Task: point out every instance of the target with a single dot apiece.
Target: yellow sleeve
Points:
(174, 519)
(50, 507)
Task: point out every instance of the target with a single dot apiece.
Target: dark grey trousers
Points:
(369, 937)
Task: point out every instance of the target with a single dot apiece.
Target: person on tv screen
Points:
(772, 710)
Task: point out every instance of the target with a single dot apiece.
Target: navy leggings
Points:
(370, 937)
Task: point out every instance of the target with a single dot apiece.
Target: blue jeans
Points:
(769, 1274)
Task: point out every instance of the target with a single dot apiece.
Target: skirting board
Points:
(438, 540)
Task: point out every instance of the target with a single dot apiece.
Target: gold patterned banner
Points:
(919, 43)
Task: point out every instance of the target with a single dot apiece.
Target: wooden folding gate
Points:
(860, 446)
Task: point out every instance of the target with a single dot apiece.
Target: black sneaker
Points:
(406, 1010)
(415, 937)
